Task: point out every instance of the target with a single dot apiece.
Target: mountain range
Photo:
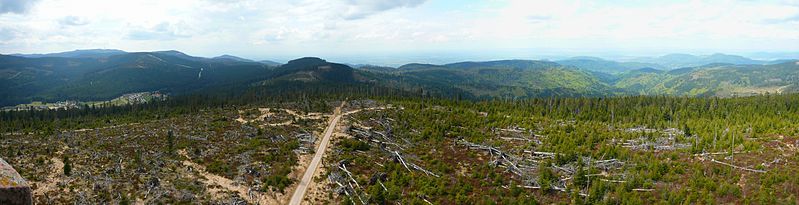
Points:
(674, 61)
(104, 74)
(88, 53)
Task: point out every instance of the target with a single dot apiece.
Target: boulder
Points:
(13, 188)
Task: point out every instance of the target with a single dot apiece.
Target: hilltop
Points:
(97, 75)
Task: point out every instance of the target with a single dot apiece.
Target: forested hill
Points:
(510, 78)
(524, 78)
(101, 78)
(88, 75)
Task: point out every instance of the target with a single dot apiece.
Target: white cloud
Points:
(358, 9)
(16, 6)
(162, 31)
(7, 34)
(678, 24)
(261, 28)
(73, 21)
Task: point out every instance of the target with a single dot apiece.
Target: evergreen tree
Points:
(67, 166)
(686, 130)
(170, 140)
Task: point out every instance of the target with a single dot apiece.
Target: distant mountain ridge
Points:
(233, 58)
(88, 53)
(673, 61)
(270, 63)
(606, 66)
(83, 77)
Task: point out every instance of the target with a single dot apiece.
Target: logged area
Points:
(218, 155)
(638, 150)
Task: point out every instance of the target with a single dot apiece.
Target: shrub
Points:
(220, 168)
(352, 145)
(67, 166)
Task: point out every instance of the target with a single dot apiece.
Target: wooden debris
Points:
(399, 157)
(417, 167)
(343, 167)
(738, 167)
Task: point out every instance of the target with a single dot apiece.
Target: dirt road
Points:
(299, 193)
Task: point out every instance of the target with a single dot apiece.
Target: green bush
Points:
(277, 182)
(219, 168)
(352, 145)
(67, 166)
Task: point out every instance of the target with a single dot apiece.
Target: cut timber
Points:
(612, 181)
(717, 153)
(13, 188)
(743, 168)
(343, 167)
(381, 184)
(507, 159)
(515, 138)
(417, 167)
(399, 157)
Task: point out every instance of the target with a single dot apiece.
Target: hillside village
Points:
(126, 99)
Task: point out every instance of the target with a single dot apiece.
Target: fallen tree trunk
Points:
(399, 157)
(738, 167)
(417, 167)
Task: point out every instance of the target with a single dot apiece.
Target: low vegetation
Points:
(581, 151)
(415, 150)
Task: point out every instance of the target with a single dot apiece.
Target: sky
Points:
(398, 31)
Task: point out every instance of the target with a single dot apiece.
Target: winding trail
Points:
(50, 183)
(299, 193)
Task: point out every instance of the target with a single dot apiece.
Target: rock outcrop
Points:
(13, 188)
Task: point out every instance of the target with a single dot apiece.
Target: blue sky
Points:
(397, 31)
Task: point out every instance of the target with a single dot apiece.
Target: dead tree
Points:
(737, 167)
(399, 158)
(503, 158)
(417, 167)
(414, 166)
(343, 167)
